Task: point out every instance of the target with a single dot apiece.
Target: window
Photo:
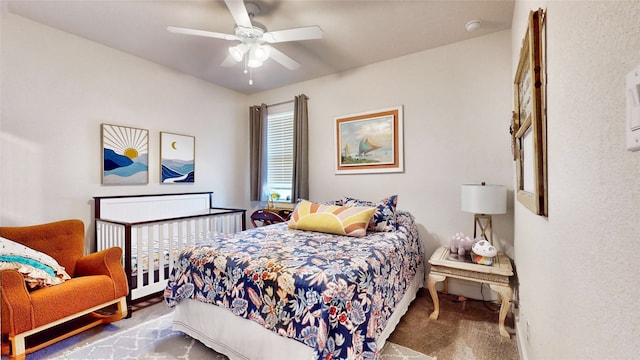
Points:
(279, 152)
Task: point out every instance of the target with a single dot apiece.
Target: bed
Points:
(153, 229)
(280, 293)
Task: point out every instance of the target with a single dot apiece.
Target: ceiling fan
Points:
(254, 39)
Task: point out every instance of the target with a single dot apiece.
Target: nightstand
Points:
(496, 275)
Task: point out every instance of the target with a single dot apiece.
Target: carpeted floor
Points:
(465, 330)
(156, 340)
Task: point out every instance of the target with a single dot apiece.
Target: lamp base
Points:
(483, 222)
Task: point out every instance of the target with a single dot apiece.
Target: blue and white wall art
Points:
(125, 155)
(177, 158)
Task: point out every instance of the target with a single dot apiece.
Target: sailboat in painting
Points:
(367, 146)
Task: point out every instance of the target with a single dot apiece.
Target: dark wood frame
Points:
(529, 118)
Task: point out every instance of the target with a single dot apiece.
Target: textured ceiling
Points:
(356, 33)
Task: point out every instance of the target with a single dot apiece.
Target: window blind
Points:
(280, 153)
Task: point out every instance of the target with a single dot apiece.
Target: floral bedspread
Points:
(332, 293)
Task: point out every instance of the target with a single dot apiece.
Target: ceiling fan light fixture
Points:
(257, 55)
(260, 52)
(237, 52)
(254, 63)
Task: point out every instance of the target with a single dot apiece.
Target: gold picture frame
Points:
(529, 118)
(369, 142)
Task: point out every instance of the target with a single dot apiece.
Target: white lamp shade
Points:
(484, 199)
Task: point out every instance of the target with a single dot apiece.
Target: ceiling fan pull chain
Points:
(250, 76)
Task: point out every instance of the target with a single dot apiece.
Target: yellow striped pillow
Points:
(332, 219)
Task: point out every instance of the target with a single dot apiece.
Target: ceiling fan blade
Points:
(303, 33)
(239, 12)
(283, 59)
(211, 34)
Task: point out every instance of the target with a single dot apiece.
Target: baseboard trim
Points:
(520, 339)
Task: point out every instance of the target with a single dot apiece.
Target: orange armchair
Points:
(97, 281)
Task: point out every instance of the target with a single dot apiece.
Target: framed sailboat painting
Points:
(369, 142)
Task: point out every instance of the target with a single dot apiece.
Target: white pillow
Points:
(31, 264)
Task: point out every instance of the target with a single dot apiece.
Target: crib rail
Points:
(150, 248)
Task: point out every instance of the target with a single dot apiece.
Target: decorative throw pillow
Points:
(384, 217)
(37, 268)
(332, 219)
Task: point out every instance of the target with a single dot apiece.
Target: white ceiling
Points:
(356, 33)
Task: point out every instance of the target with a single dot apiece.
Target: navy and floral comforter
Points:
(332, 293)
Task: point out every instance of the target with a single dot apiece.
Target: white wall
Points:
(457, 108)
(574, 267)
(579, 267)
(58, 88)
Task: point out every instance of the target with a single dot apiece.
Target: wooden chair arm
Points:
(106, 262)
(16, 302)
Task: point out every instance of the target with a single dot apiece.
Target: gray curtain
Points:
(257, 163)
(300, 149)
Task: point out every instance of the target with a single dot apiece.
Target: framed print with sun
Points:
(177, 158)
(125, 155)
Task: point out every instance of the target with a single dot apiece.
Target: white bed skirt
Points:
(240, 338)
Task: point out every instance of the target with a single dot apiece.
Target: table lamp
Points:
(483, 201)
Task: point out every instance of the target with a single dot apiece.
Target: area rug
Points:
(156, 340)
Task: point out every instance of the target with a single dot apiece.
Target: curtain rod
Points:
(280, 103)
(283, 102)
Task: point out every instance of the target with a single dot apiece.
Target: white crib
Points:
(152, 230)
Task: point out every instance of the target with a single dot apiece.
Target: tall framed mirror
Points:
(529, 118)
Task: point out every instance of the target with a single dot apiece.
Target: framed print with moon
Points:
(125, 155)
(177, 158)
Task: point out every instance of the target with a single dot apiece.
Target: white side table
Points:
(496, 275)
